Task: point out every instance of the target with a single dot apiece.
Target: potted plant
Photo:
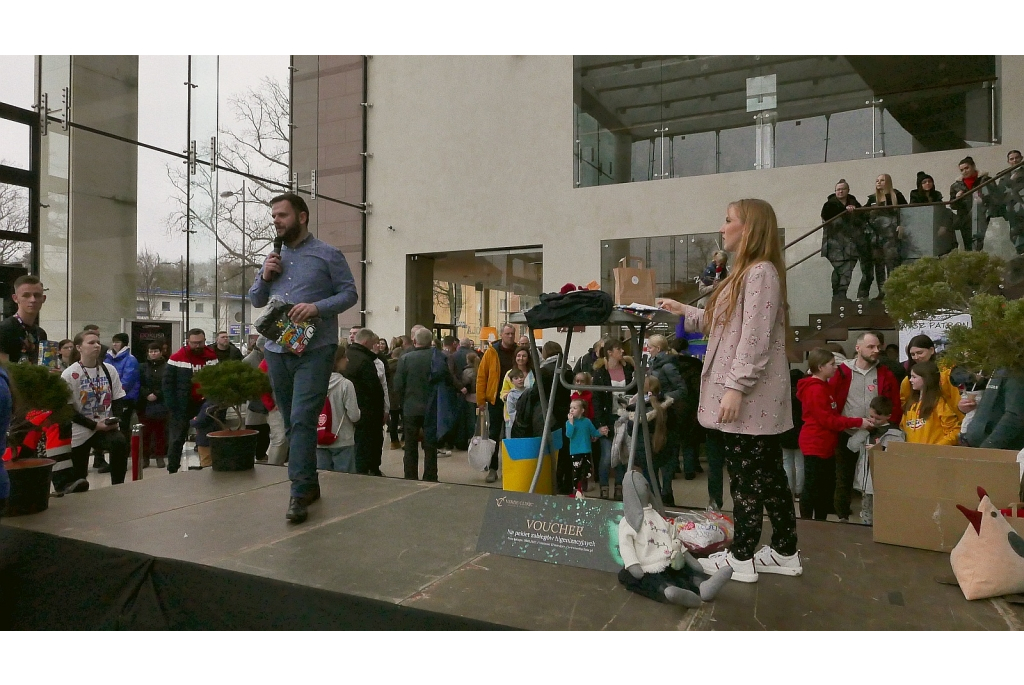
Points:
(41, 399)
(227, 385)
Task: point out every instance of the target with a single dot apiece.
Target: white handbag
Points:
(481, 448)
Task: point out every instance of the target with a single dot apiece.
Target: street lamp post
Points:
(230, 193)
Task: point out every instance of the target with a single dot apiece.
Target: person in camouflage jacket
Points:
(884, 229)
(843, 240)
(961, 188)
(1008, 200)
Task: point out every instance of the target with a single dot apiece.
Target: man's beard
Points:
(291, 233)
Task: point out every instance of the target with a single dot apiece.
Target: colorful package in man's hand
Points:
(275, 325)
(49, 355)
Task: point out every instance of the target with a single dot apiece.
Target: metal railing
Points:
(945, 203)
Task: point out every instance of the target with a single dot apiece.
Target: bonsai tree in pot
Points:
(41, 399)
(229, 385)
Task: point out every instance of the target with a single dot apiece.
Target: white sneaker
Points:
(743, 571)
(767, 560)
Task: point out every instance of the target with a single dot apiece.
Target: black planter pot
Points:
(233, 450)
(30, 486)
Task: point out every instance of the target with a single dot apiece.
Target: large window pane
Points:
(849, 135)
(677, 260)
(14, 208)
(17, 80)
(15, 144)
(737, 152)
(801, 141)
(15, 253)
(823, 107)
(694, 155)
(163, 101)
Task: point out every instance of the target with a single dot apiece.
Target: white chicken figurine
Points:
(989, 559)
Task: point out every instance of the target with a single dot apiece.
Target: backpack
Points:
(324, 424)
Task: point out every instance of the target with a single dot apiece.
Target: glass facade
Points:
(473, 293)
(677, 260)
(161, 177)
(642, 118)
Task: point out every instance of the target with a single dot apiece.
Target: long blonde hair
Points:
(888, 192)
(760, 243)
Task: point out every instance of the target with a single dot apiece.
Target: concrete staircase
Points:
(835, 326)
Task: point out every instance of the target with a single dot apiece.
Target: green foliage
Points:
(938, 286)
(995, 339)
(36, 387)
(231, 384)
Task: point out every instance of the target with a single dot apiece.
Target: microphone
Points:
(278, 242)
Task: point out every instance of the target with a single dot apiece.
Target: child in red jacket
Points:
(820, 434)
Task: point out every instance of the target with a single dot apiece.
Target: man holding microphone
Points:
(315, 278)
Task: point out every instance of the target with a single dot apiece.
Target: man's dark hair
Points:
(121, 338)
(26, 279)
(967, 160)
(297, 203)
(449, 340)
(892, 346)
(195, 331)
(90, 327)
(155, 346)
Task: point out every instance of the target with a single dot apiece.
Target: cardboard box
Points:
(917, 488)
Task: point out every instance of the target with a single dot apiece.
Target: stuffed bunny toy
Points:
(656, 564)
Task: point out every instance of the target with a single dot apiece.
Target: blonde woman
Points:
(884, 235)
(745, 394)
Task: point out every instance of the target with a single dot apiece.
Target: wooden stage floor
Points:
(414, 545)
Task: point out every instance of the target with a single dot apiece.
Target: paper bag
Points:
(633, 284)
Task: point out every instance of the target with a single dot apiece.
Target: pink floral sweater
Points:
(747, 353)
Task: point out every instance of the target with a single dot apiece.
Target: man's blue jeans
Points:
(300, 389)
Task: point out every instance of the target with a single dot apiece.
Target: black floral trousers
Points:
(758, 482)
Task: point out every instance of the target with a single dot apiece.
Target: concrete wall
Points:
(477, 152)
(103, 192)
(327, 94)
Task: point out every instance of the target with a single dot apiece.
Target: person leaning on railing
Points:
(1010, 204)
(843, 240)
(885, 234)
(962, 187)
(925, 191)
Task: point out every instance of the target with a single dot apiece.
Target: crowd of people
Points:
(331, 407)
(873, 237)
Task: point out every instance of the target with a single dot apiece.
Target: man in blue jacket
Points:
(315, 280)
(121, 358)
